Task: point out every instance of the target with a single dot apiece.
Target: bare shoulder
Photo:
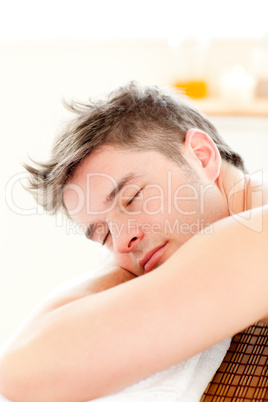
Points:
(257, 190)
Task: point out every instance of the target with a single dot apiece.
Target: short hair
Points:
(134, 117)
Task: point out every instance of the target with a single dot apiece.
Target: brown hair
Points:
(139, 118)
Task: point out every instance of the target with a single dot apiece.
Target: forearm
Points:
(214, 286)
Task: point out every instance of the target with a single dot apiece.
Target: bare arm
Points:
(107, 276)
(214, 286)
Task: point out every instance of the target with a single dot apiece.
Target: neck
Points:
(232, 182)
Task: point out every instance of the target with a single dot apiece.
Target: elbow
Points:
(17, 380)
(12, 378)
(8, 383)
(23, 380)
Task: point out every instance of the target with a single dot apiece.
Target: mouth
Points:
(151, 258)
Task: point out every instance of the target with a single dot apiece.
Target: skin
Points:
(134, 222)
(165, 314)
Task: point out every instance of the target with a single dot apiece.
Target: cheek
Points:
(186, 201)
(154, 202)
(154, 206)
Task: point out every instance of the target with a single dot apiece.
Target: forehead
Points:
(116, 161)
(106, 159)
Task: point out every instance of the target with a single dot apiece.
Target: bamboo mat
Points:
(243, 374)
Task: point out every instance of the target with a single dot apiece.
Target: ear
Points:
(203, 150)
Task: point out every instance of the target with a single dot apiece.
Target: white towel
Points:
(185, 382)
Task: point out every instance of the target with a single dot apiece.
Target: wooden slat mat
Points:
(243, 374)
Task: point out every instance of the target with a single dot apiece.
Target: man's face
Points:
(140, 205)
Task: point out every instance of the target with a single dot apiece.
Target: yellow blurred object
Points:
(193, 89)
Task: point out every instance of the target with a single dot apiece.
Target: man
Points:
(150, 178)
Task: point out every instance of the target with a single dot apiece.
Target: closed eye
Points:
(105, 238)
(134, 197)
(98, 232)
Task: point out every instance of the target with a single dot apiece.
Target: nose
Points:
(126, 236)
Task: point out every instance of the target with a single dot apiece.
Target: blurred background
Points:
(216, 52)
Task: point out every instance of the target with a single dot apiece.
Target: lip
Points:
(152, 257)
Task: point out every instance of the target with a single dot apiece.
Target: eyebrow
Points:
(128, 178)
(120, 185)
